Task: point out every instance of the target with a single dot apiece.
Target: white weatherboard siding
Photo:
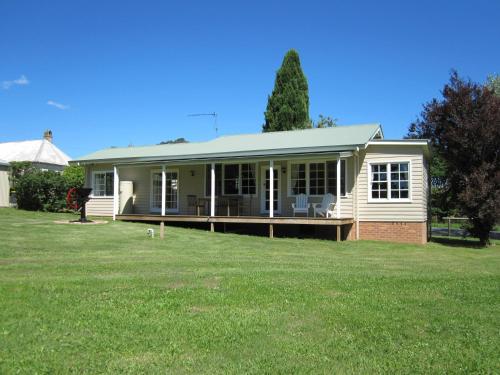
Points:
(4, 186)
(416, 210)
(98, 206)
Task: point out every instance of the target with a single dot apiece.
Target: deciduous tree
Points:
(464, 127)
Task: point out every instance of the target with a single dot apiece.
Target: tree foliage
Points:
(173, 141)
(288, 105)
(19, 168)
(493, 82)
(74, 176)
(464, 128)
(326, 122)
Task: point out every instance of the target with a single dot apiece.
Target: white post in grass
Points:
(163, 189)
(116, 185)
(271, 188)
(212, 190)
(338, 188)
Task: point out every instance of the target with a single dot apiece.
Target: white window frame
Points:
(238, 181)
(289, 177)
(93, 184)
(308, 178)
(223, 192)
(240, 185)
(388, 166)
(158, 209)
(307, 163)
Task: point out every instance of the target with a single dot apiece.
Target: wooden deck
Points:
(338, 223)
(236, 219)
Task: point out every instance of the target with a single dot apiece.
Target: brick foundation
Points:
(394, 231)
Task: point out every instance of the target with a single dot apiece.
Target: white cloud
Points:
(21, 81)
(57, 105)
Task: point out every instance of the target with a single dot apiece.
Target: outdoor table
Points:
(231, 200)
(225, 201)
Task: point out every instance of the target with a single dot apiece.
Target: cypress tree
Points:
(288, 105)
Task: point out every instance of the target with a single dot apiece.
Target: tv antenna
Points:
(213, 114)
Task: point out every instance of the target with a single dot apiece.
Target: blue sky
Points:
(103, 73)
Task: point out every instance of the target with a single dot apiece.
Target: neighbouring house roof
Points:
(37, 151)
(336, 139)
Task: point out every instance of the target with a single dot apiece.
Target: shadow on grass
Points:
(457, 242)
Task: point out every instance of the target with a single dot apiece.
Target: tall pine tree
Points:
(288, 105)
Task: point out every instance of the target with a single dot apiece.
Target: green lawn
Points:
(107, 298)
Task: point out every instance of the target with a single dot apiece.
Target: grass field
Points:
(108, 299)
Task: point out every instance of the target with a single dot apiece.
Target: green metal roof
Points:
(340, 138)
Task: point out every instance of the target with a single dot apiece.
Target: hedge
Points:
(45, 190)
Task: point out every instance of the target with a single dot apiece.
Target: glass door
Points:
(171, 191)
(265, 189)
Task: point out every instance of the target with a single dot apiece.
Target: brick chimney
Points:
(48, 135)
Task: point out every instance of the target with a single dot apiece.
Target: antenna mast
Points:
(213, 114)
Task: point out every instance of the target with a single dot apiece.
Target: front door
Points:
(171, 191)
(264, 192)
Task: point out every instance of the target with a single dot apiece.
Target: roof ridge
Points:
(300, 130)
(37, 155)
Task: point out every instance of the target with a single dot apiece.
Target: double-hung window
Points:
(390, 181)
(102, 185)
(231, 179)
(248, 184)
(317, 178)
(298, 182)
(400, 181)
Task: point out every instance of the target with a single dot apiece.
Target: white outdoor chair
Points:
(325, 208)
(301, 206)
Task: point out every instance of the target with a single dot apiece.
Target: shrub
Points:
(74, 176)
(41, 191)
(19, 168)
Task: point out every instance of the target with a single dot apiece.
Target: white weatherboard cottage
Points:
(370, 188)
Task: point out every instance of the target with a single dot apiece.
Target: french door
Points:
(264, 192)
(171, 191)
